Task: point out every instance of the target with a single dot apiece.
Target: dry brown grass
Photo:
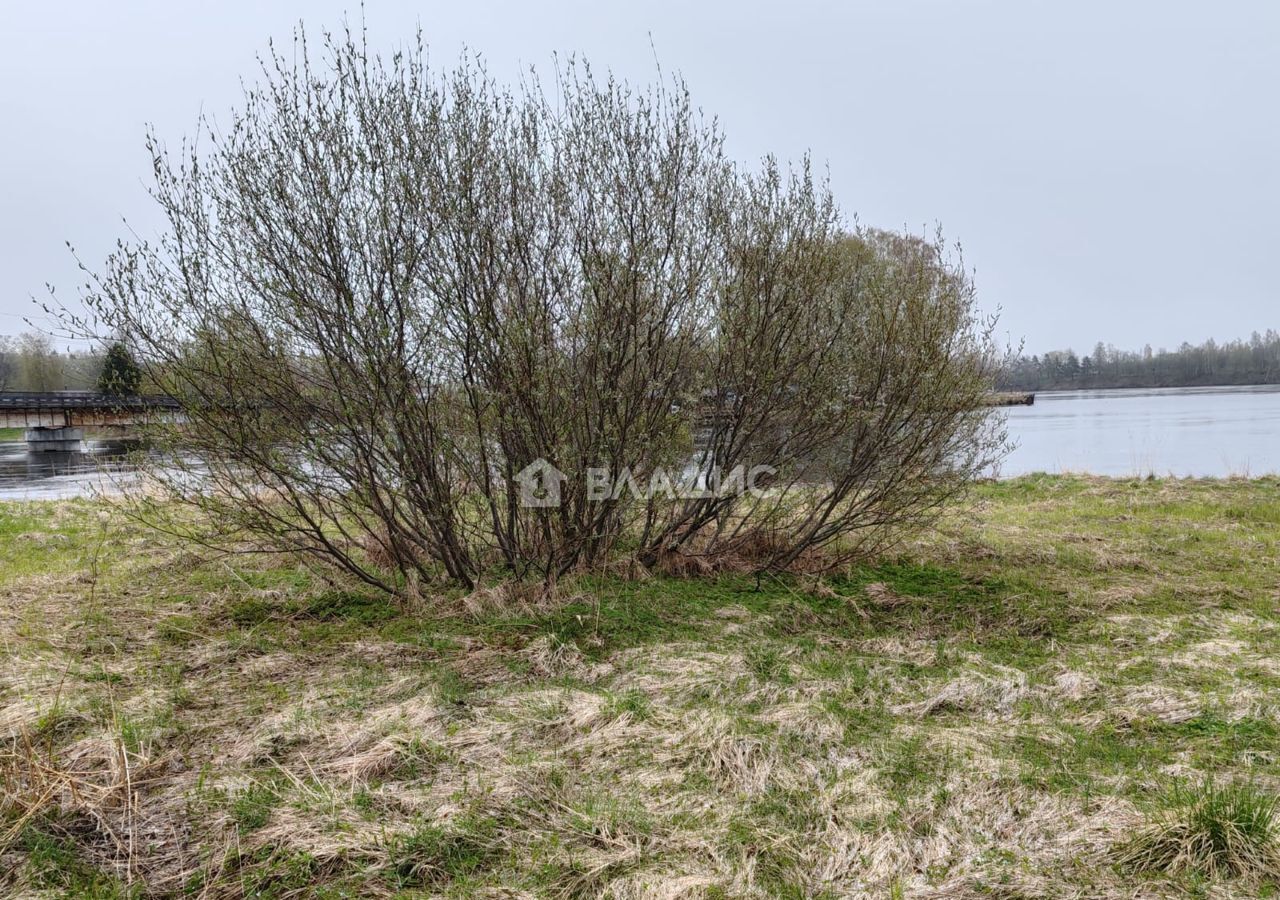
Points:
(92, 789)
(910, 730)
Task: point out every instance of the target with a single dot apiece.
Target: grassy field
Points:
(1022, 705)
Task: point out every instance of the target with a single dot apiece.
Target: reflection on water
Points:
(101, 466)
(1213, 431)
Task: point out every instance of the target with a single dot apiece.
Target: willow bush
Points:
(384, 290)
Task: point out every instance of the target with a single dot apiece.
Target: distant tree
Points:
(40, 368)
(120, 376)
(8, 363)
(81, 370)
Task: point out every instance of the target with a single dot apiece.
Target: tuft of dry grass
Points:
(89, 791)
(1230, 830)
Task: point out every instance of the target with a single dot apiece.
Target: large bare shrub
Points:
(383, 291)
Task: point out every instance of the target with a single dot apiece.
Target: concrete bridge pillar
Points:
(64, 440)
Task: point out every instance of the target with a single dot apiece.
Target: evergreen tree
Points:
(120, 375)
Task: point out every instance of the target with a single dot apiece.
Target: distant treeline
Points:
(31, 362)
(1255, 361)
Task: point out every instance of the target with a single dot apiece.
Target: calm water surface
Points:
(1165, 431)
(1214, 431)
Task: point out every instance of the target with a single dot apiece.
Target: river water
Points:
(1161, 431)
(103, 466)
(1211, 431)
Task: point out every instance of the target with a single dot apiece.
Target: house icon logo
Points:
(540, 484)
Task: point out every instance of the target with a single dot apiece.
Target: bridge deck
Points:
(63, 409)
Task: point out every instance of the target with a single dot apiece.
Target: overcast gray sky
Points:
(1111, 169)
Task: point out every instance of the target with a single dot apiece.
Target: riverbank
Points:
(999, 709)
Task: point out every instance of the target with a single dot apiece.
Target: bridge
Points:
(55, 421)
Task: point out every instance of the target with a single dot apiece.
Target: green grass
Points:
(1056, 659)
(432, 855)
(55, 865)
(251, 809)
